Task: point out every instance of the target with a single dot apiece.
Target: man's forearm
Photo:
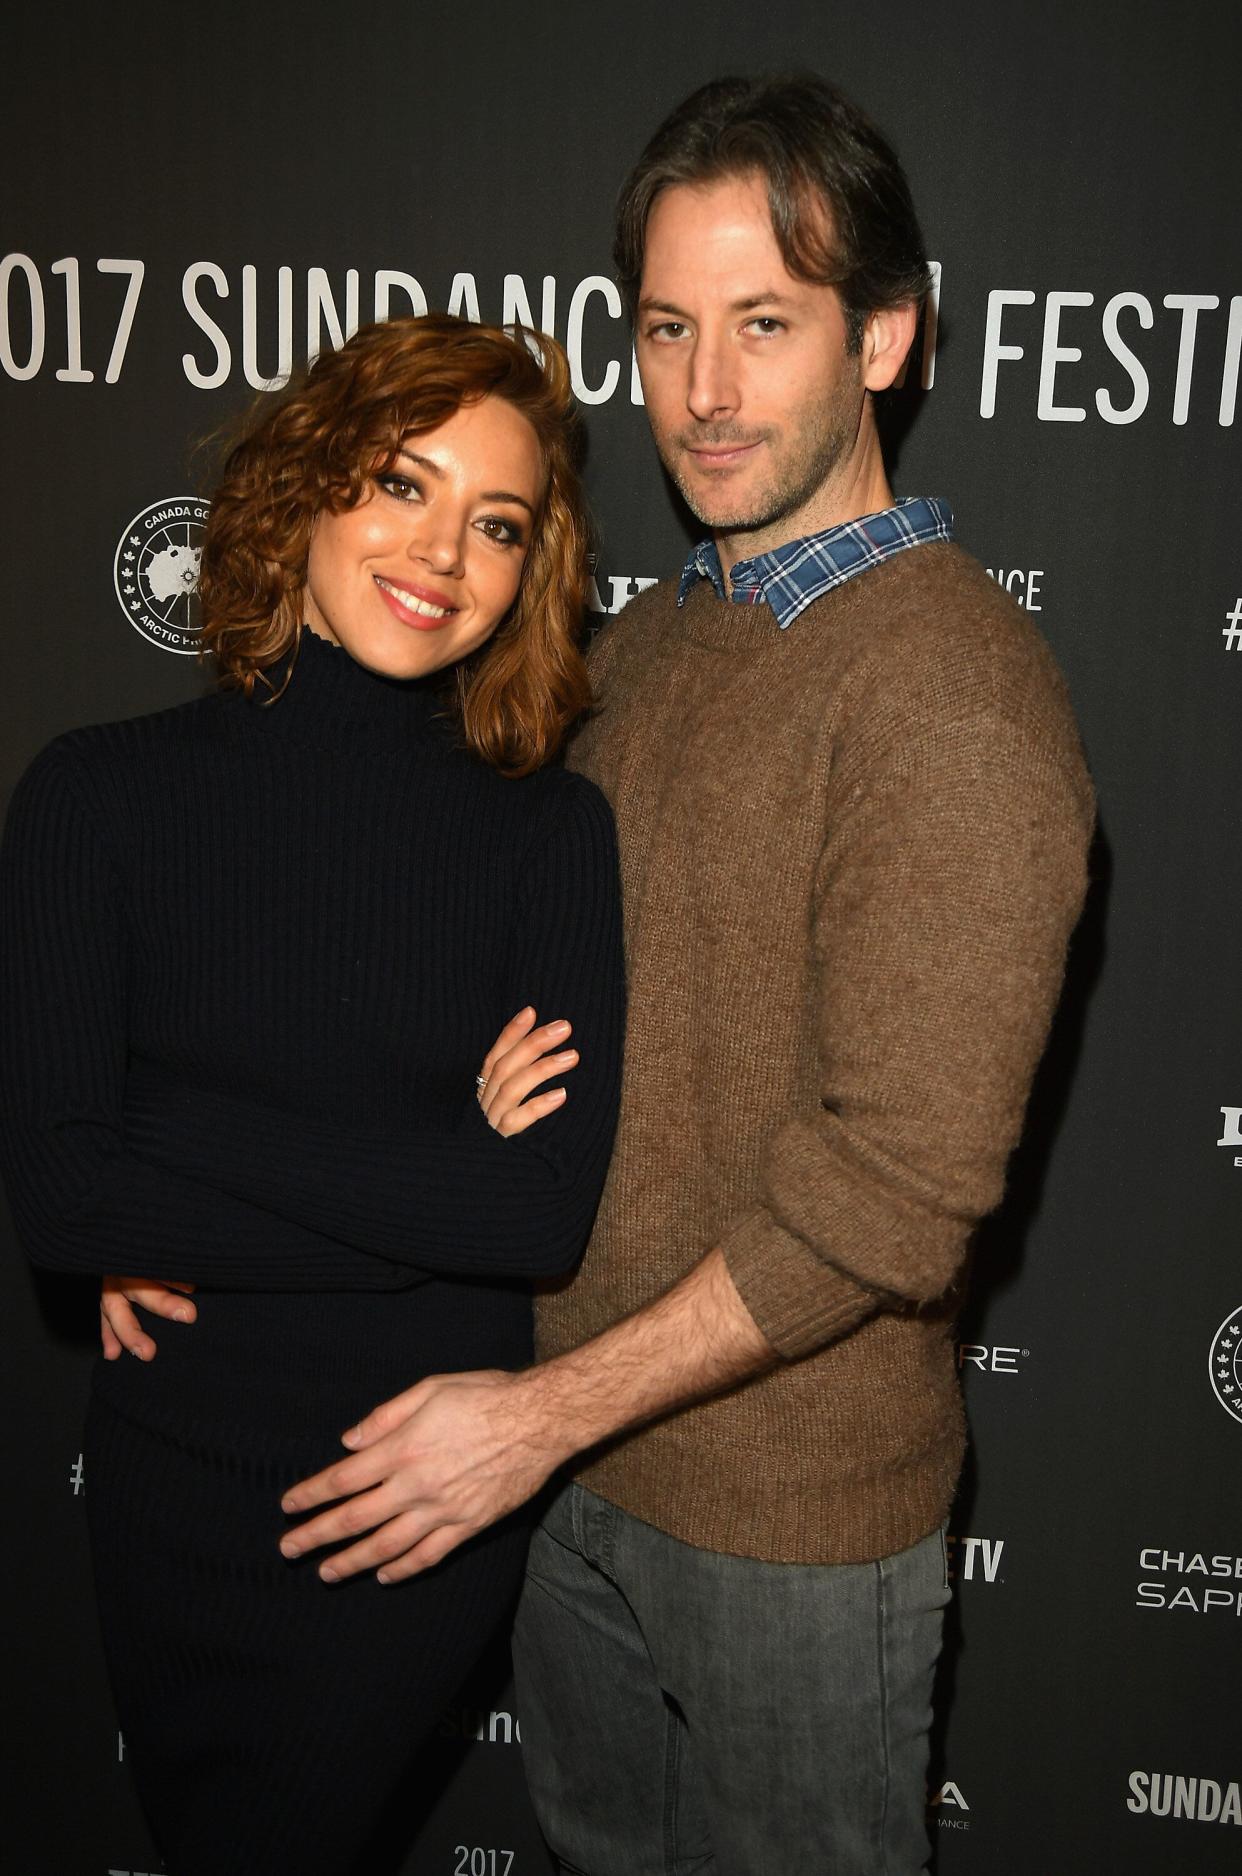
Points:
(457, 1451)
(694, 1341)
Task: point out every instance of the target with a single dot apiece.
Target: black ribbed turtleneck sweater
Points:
(252, 957)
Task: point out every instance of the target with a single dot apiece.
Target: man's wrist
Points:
(692, 1342)
(550, 1409)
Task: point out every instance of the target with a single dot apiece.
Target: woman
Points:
(255, 949)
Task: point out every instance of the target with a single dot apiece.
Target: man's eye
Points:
(766, 326)
(667, 329)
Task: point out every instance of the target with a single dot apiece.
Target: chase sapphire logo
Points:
(1225, 1364)
(155, 572)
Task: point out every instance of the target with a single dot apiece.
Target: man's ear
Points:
(887, 337)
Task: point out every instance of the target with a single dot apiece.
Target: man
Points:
(853, 820)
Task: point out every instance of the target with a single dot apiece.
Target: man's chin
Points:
(724, 513)
(723, 520)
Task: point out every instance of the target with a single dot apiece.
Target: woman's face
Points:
(424, 568)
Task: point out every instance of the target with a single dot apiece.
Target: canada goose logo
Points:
(155, 572)
(1225, 1364)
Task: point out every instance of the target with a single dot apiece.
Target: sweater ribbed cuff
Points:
(799, 1302)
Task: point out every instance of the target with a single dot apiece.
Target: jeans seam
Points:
(882, 1690)
(577, 1518)
(608, 1538)
(672, 1756)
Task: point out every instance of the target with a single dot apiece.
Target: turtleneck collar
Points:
(333, 702)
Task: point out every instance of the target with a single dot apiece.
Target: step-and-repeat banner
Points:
(193, 199)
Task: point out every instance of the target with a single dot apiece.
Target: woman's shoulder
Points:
(83, 761)
(565, 808)
(138, 735)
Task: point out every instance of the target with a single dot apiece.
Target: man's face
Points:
(754, 400)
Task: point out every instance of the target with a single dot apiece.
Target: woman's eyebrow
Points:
(486, 495)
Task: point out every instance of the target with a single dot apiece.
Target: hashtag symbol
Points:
(1232, 633)
(77, 1476)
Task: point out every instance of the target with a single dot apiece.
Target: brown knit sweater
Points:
(852, 855)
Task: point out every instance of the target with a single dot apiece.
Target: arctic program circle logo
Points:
(1225, 1364)
(155, 572)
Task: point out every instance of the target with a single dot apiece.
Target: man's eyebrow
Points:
(771, 297)
(486, 495)
(662, 306)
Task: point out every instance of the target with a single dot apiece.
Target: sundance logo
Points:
(489, 1729)
(1231, 1117)
(1168, 1794)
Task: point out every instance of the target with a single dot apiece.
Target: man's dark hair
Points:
(840, 203)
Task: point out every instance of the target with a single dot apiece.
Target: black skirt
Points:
(271, 1720)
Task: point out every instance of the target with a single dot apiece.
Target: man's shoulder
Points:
(641, 618)
(941, 594)
(934, 625)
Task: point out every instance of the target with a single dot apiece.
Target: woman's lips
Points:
(419, 606)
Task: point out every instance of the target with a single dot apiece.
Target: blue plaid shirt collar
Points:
(789, 578)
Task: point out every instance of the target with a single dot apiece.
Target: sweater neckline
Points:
(726, 625)
(332, 702)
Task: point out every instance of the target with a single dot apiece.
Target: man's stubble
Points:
(802, 465)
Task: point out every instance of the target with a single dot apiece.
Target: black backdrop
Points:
(178, 182)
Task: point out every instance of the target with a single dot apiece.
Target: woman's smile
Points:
(415, 605)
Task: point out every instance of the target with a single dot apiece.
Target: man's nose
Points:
(713, 392)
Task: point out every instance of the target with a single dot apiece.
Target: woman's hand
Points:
(119, 1327)
(520, 1060)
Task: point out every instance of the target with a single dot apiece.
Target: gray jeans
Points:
(684, 1711)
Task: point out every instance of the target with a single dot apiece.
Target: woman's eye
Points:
(667, 329)
(506, 533)
(399, 486)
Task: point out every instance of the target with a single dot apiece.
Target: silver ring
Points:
(480, 1082)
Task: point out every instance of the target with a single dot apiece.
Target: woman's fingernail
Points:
(566, 1055)
(558, 1029)
(288, 1549)
(328, 1574)
(352, 1437)
(556, 1094)
(382, 1576)
(181, 1315)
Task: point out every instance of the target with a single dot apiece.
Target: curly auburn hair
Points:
(341, 423)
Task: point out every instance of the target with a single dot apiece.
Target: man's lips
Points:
(722, 455)
(420, 606)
